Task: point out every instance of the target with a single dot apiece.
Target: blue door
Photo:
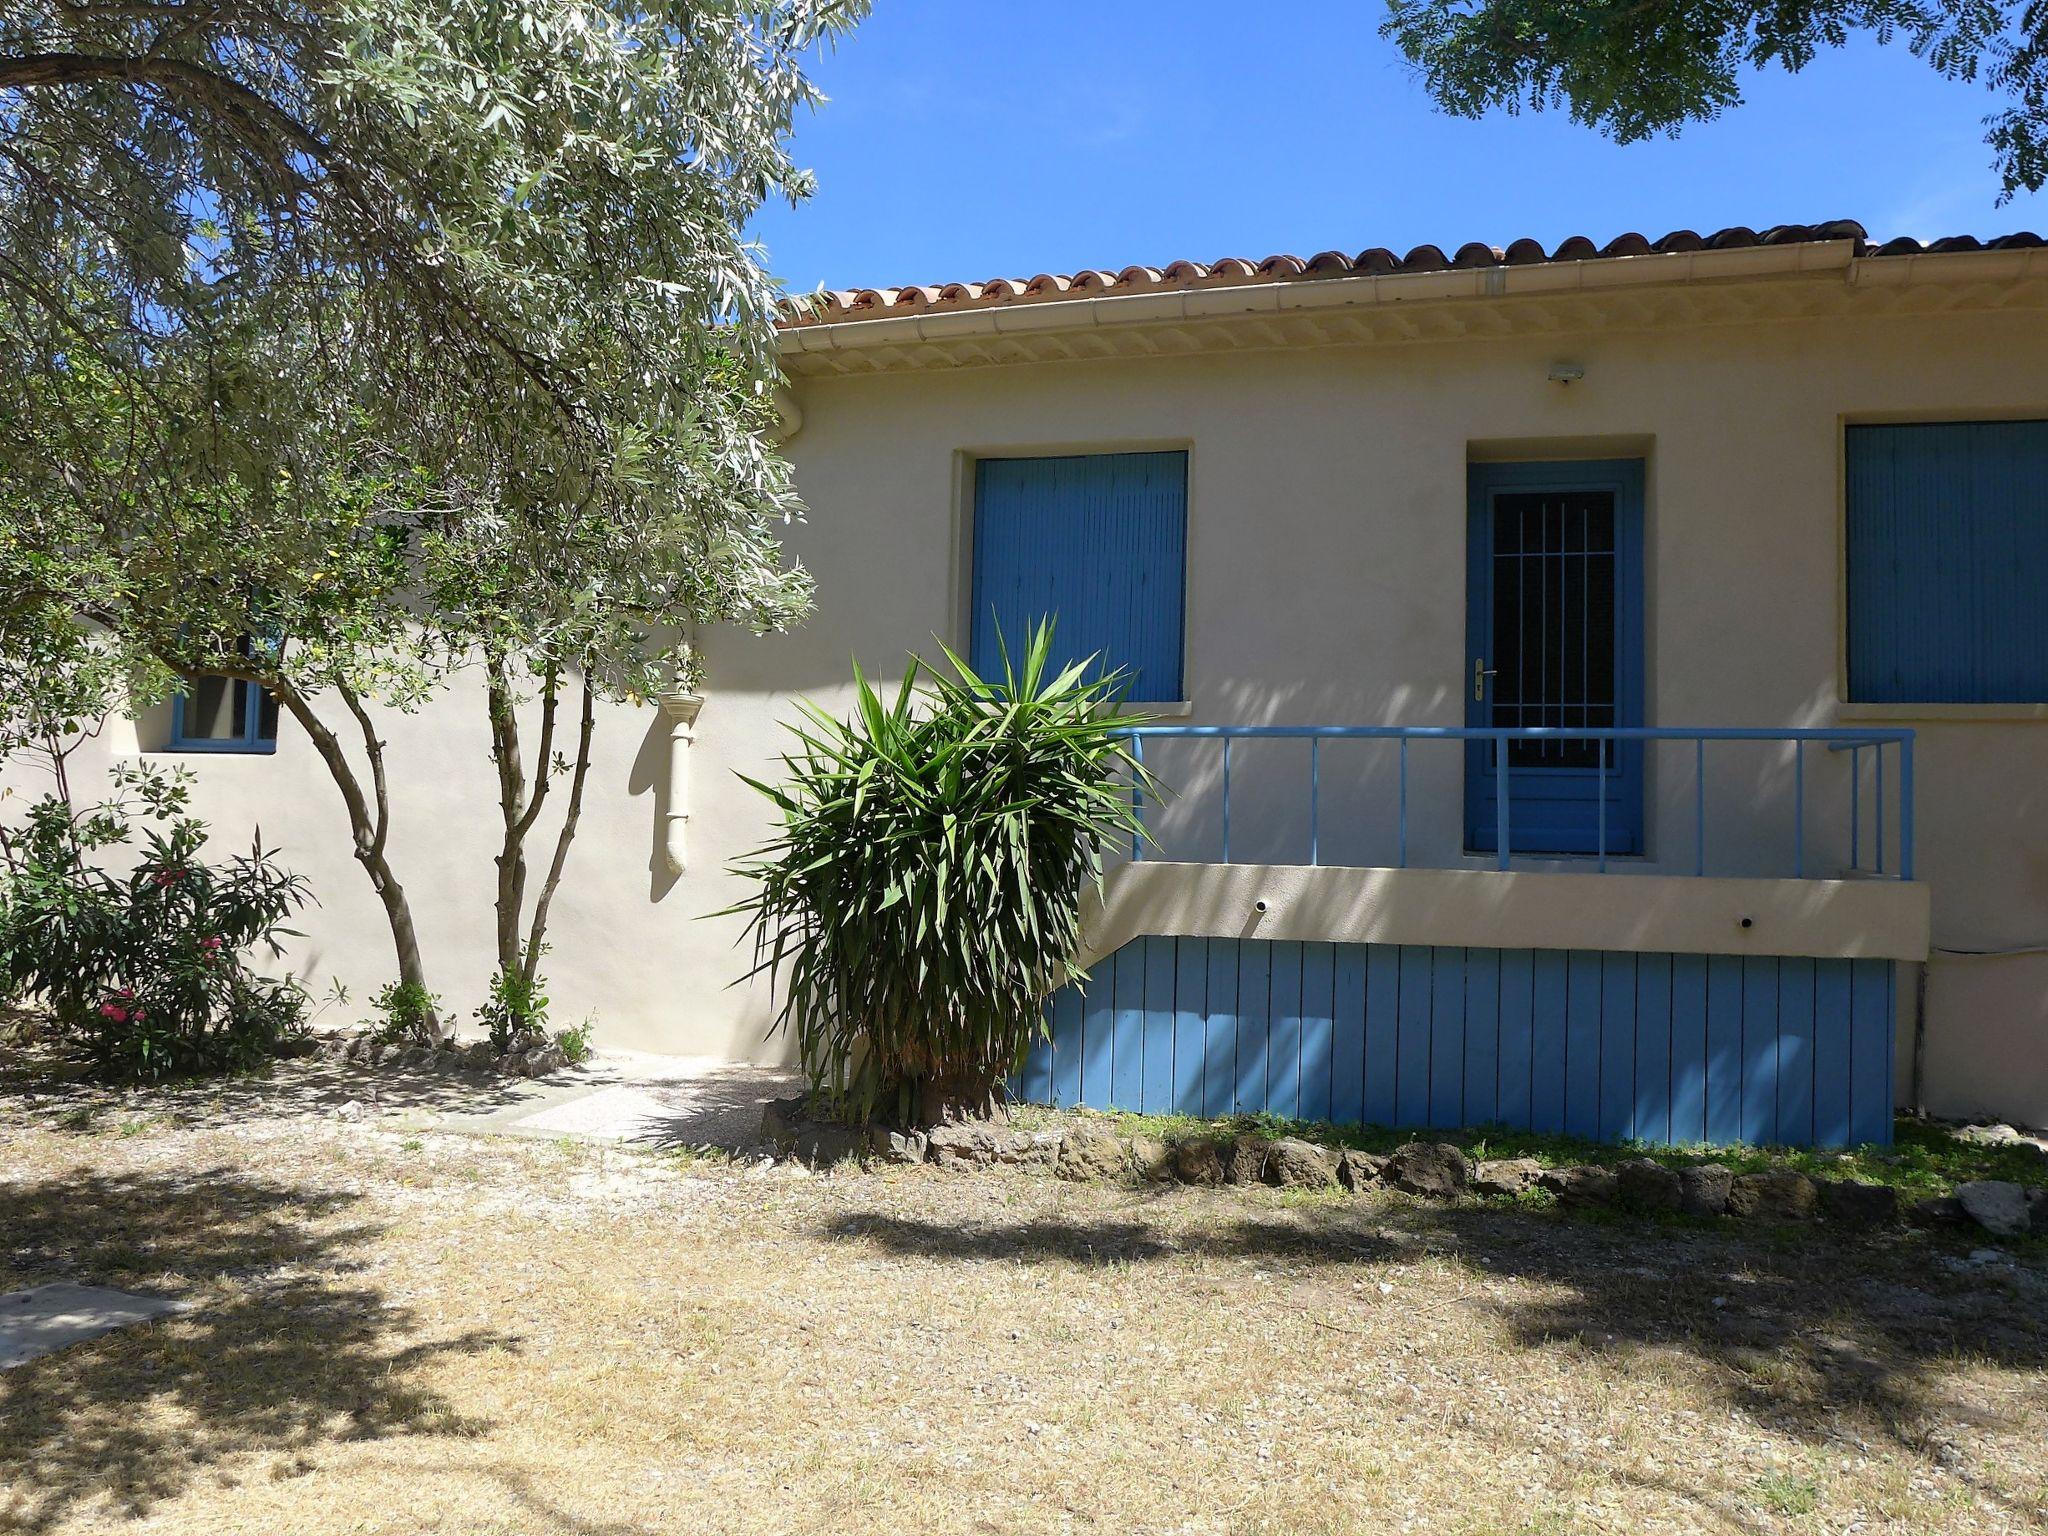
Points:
(1555, 638)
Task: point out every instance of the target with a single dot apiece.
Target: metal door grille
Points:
(1554, 559)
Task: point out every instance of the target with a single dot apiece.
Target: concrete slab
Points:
(49, 1317)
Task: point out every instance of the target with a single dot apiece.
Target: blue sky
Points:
(963, 142)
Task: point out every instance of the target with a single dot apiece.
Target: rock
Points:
(821, 1143)
(1196, 1162)
(1153, 1157)
(545, 1059)
(962, 1145)
(352, 1110)
(295, 1047)
(1244, 1160)
(1998, 1207)
(1434, 1169)
(1092, 1152)
(1292, 1163)
(1989, 1135)
(1027, 1149)
(897, 1146)
(1703, 1191)
(1506, 1175)
(2037, 1209)
(1776, 1194)
(1851, 1203)
(1587, 1185)
(1643, 1185)
(1359, 1171)
(1937, 1211)
(779, 1117)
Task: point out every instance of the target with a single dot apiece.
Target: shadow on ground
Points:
(286, 1346)
(1820, 1335)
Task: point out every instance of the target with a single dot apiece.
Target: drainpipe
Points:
(681, 709)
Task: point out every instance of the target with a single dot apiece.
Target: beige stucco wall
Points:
(1325, 584)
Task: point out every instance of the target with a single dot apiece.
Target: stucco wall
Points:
(1325, 584)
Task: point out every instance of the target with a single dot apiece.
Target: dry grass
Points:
(413, 1332)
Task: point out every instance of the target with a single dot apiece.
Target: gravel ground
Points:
(412, 1330)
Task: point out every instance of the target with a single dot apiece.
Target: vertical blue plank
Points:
(1550, 989)
(1517, 1021)
(1653, 1048)
(1157, 1068)
(1482, 1037)
(1411, 1047)
(1617, 1046)
(1724, 1048)
(1760, 1049)
(1283, 1034)
(1065, 1088)
(1871, 1029)
(1447, 1037)
(1033, 1082)
(1831, 1055)
(1382, 1034)
(1190, 1023)
(1347, 1035)
(1688, 1049)
(1098, 1034)
(1795, 1051)
(1318, 965)
(1583, 990)
(1219, 1051)
(1254, 1003)
(1127, 1056)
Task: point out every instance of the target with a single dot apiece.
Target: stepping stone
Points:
(35, 1322)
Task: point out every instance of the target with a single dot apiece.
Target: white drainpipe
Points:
(681, 709)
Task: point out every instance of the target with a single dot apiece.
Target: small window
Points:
(224, 714)
(1947, 528)
(1097, 542)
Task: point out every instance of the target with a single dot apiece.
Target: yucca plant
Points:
(924, 891)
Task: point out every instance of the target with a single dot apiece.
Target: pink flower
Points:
(115, 1012)
(210, 943)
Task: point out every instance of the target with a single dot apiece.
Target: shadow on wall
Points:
(1830, 1339)
(649, 776)
(280, 1352)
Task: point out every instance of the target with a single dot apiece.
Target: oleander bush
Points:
(143, 960)
(924, 891)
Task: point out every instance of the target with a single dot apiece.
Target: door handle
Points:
(1480, 673)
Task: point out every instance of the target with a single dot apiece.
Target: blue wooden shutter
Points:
(1097, 541)
(1948, 562)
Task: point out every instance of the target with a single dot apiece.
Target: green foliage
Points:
(405, 1013)
(147, 967)
(516, 1015)
(575, 1041)
(924, 890)
(1633, 70)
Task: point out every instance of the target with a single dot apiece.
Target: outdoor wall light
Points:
(1567, 373)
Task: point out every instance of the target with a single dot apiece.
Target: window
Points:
(224, 714)
(1098, 542)
(1947, 527)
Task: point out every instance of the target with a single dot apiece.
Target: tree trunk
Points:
(369, 822)
(570, 816)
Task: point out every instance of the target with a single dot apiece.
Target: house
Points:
(1603, 688)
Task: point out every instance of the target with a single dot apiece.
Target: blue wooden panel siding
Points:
(1097, 541)
(1947, 527)
(1669, 1049)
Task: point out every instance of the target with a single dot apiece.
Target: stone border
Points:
(446, 1055)
(1090, 1151)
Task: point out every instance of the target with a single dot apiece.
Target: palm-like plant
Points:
(924, 891)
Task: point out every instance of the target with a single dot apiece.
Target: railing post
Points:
(1404, 802)
(1799, 810)
(1880, 807)
(1226, 799)
(1855, 808)
(1500, 802)
(1906, 807)
(1699, 810)
(1600, 844)
(1138, 799)
(1314, 793)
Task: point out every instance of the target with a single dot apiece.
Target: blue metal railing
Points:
(1837, 739)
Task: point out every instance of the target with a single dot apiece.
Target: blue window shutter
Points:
(1098, 542)
(1947, 560)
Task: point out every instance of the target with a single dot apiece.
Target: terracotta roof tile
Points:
(1051, 287)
